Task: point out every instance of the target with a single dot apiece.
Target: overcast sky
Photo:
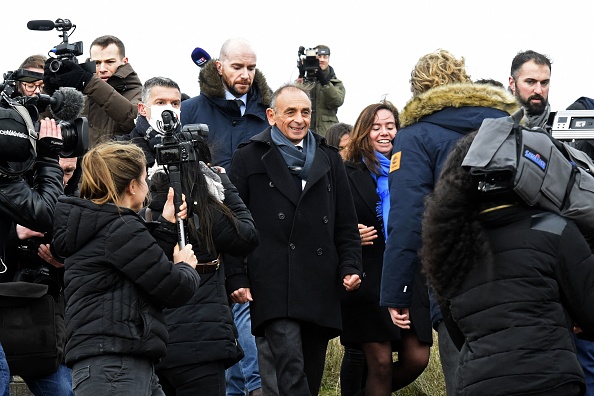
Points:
(374, 44)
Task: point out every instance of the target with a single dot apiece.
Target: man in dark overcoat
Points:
(296, 188)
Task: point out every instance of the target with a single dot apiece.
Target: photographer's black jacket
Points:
(202, 330)
(118, 280)
(30, 207)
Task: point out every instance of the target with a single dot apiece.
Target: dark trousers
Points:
(197, 379)
(299, 353)
(115, 375)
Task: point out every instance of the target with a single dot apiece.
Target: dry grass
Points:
(430, 383)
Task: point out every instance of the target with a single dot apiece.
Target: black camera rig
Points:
(75, 131)
(64, 50)
(308, 63)
(174, 149)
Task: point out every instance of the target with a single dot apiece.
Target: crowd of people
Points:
(225, 267)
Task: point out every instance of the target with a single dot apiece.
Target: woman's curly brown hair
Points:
(437, 68)
(453, 238)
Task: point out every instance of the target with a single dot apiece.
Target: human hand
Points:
(321, 78)
(45, 253)
(69, 74)
(168, 209)
(351, 282)
(26, 233)
(242, 295)
(400, 317)
(368, 234)
(50, 138)
(185, 255)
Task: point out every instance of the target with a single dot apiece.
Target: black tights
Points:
(385, 376)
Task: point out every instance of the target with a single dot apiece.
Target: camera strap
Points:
(33, 135)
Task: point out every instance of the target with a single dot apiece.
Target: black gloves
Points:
(69, 74)
(321, 78)
(49, 147)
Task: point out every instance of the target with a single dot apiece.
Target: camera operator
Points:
(327, 92)
(112, 93)
(19, 203)
(158, 94)
(34, 63)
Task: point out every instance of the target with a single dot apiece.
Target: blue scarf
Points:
(298, 162)
(382, 208)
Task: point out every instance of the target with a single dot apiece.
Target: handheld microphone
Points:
(66, 104)
(200, 57)
(41, 25)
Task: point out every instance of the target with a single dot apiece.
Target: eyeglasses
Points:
(31, 87)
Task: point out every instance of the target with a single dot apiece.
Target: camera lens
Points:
(55, 65)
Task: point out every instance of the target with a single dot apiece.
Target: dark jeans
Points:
(353, 371)
(449, 357)
(299, 352)
(198, 379)
(115, 375)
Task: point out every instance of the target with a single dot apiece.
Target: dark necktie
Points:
(238, 103)
(299, 148)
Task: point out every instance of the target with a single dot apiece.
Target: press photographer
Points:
(325, 90)
(111, 88)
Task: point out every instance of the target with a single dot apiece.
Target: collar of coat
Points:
(211, 83)
(457, 95)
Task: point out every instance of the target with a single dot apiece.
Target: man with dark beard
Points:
(234, 96)
(233, 99)
(529, 82)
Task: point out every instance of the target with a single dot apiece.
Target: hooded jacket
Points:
(112, 106)
(432, 123)
(118, 280)
(227, 128)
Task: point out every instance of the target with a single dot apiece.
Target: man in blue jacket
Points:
(233, 99)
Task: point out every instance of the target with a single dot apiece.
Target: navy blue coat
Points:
(433, 122)
(227, 127)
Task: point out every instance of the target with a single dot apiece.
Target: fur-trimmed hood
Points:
(457, 95)
(212, 85)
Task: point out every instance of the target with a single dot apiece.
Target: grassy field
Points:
(430, 383)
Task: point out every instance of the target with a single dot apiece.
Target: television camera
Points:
(572, 124)
(176, 148)
(64, 50)
(308, 63)
(65, 105)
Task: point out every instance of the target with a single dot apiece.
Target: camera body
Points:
(68, 51)
(308, 63)
(64, 50)
(182, 147)
(74, 132)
